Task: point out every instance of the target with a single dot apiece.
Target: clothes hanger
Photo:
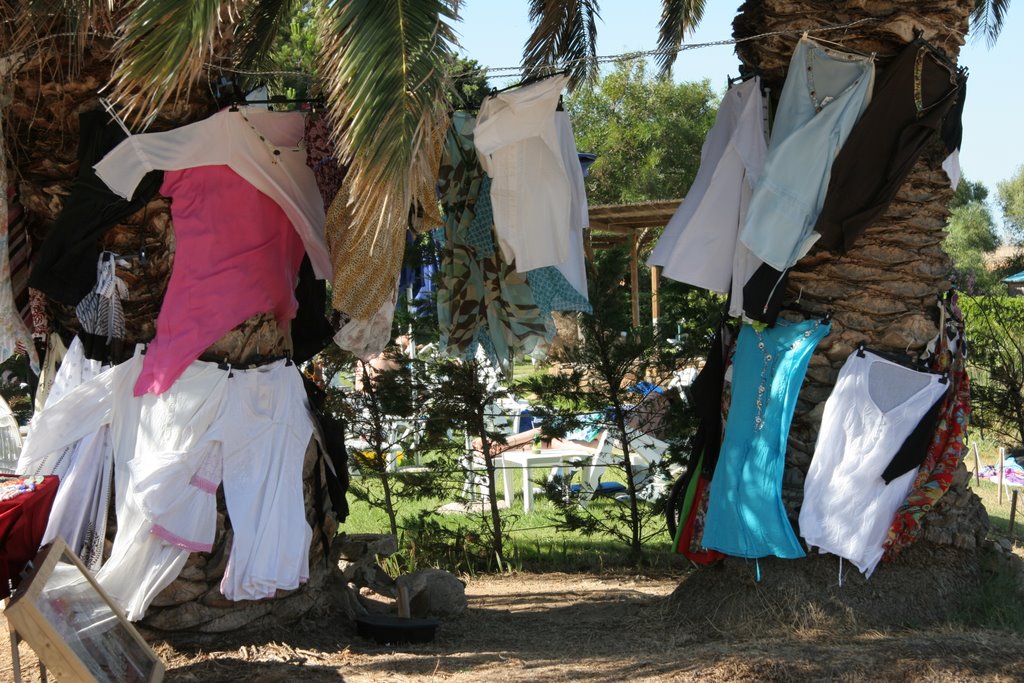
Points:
(844, 48)
(745, 75)
(533, 78)
(797, 306)
(903, 359)
(936, 51)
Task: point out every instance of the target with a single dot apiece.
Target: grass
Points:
(988, 491)
(533, 540)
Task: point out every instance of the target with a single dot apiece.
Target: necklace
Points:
(13, 488)
(766, 366)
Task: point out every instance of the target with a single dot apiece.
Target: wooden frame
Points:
(74, 627)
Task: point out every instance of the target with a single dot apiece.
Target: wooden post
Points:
(588, 245)
(655, 301)
(1002, 457)
(403, 602)
(1013, 510)
(634, 278)
(977, 464)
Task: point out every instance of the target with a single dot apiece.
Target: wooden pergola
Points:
(614, 225)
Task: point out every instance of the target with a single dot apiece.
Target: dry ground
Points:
(602, 628)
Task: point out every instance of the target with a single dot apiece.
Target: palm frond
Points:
(564, 32)
(74, 22)
(988, 16)
(385, 66)
(259, 27)
(163, 48)
(677, 18)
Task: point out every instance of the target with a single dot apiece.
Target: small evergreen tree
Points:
(462, 400)
(382, 414)
(597, 377)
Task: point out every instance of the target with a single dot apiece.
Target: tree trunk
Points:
(41, 129)
(883, 291)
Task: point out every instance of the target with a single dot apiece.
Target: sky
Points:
(493, 32)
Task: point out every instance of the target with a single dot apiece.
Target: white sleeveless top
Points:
(874, 407)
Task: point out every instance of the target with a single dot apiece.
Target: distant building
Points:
(1015, 284)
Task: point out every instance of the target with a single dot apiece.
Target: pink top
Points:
(237, 255)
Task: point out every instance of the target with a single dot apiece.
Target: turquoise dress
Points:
(746, 517)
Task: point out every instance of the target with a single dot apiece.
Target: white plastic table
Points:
(527, 460)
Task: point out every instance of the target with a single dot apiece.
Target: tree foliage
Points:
(295, 49)
(995, 332)
(647, 133)
(970, 234)
(597, 379)
(1010, 197)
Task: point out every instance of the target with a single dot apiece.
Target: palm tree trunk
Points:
(883, 290)
(41, 124)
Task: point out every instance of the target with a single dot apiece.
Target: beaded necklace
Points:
(766, 364)
(12, 488)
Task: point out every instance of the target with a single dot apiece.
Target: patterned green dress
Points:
(481, 300)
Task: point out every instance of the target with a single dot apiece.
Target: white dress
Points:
(875, 406)
(699, 246)
(263, 147)
(520, 147)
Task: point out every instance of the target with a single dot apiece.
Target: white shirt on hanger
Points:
(262, 146)
(699, 245)
(848, 507)
(519, 146)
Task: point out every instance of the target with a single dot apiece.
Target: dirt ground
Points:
(602, 628)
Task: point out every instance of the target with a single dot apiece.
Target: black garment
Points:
(704, 396)
(763, 292)
(907, 108)
(333, 431)
(311, 331)
(953, 124)
(915, 447)
(66, 267)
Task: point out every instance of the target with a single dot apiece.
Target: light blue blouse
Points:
(825, 93)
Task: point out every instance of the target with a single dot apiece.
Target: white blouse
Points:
(573, 268)
(262, 146)
(699, 245)
(848, 507)
(519, 146)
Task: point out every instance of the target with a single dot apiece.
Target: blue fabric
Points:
(480, 235)
(552, 292)
(746, 517)
(824, 95)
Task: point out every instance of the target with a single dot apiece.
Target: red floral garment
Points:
(947, 447)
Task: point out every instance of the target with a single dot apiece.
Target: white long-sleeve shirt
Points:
(519, 146)
(263, 147)
(699, 245)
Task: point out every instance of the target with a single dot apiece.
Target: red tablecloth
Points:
(22, 525)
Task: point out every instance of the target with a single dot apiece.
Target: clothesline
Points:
(601, 59)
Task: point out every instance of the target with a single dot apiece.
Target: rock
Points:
(434, 592)
(368, 575)
(355, 547)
